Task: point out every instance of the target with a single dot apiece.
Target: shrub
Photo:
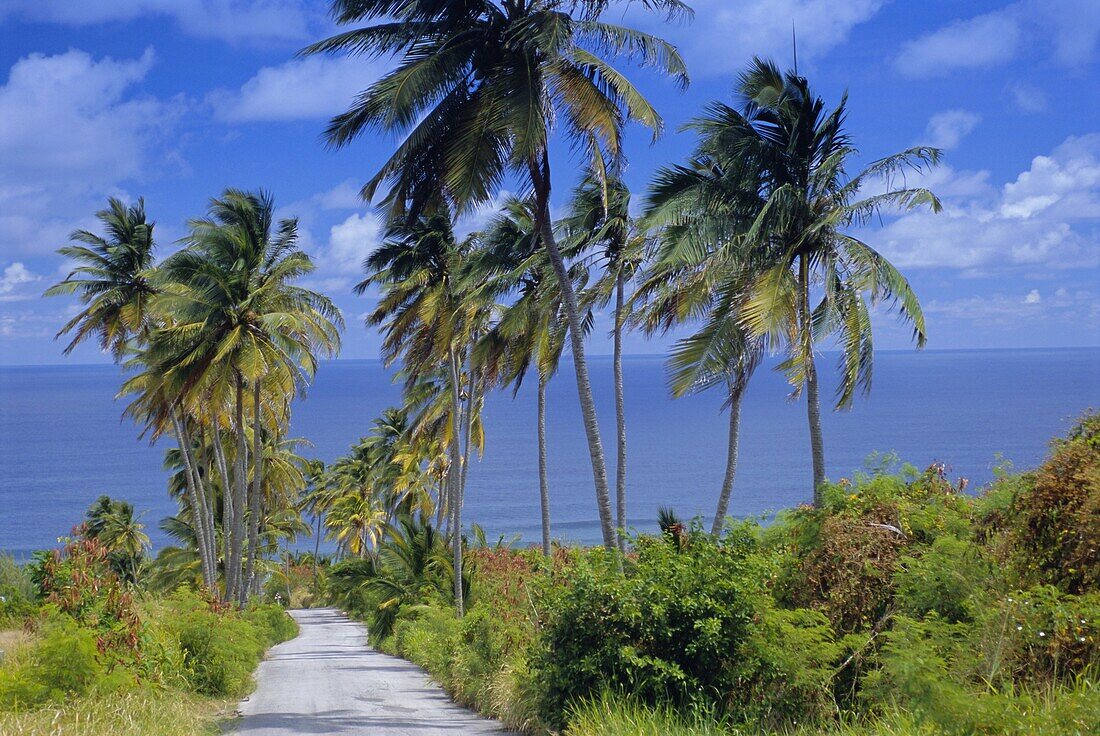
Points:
(219, 650)
(1052, 522)
(63, 662)
(690, 626)
(16, 592)
(272, 623)
(841, 559)
(943, 579)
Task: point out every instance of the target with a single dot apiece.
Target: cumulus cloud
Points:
(14, 276)
(227, 20)
(301, 89)
(350, 243)
(726, 33)
(1045, 218)
(66, 115)
(947, 128)
(1065, 30)
(1033, 297)
(73, 127)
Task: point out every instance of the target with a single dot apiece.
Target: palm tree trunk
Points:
(316, 543)
(468, 423)
(455, 472)
(620, 414)
(190, 474)
(227, 500)
(540, 179)
(544, 471)
(813, 397)
(255, 503)
(736, 393)
(240, 492)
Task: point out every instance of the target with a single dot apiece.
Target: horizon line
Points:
(569, 357)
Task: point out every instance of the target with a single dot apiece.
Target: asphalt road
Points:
(327, 681)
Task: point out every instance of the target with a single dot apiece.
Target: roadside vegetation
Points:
(84, 650)
(900, 605)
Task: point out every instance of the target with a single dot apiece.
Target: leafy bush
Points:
(944, 579)
(1051, 526)
(16, 592)
(273, 624)
(690, 625)
(219, 650)
(63, 662)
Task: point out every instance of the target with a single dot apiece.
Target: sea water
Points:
(63, 440)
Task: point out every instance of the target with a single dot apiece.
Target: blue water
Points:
(63, 443)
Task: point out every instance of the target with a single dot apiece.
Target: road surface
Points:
(327, 681)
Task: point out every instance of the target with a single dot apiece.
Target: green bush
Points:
(16, 593)
(272, 623)
(219, 650)
(63, 662)
(943, 579)
(690, 625)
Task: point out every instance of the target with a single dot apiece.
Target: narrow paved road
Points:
(327, 681)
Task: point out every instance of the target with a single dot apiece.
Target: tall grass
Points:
(138, 713)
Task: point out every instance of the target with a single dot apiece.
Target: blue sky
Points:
(174, 100)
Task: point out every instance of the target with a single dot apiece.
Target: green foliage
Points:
(63, 662)
(219, 650)
(689, 625)
(944, 579)
(272, 623)
(17, 592)
(1048, 521)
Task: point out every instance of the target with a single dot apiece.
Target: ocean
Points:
(63, 441)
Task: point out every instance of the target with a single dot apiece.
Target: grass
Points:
(610, 715)
(140, 713)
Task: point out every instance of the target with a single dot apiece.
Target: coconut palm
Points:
(111, 278)
(599, 223)
(477, 89)
(768, 183)
(425, 314)
(243, 333)
(113, 523)
(531, 329)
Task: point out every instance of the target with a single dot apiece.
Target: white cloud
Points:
(14, 276)
(1033, 297)
(66, 115)
(1065, 30)
(1064, 184)
(1065, 306)
(947, 128)
(350, 243)
(227, 20)
(983, 41)
(1046, 218)
(301, 89)
(726, 33)
(73, 130)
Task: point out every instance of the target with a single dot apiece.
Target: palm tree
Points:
(424, 310)
(531, 330)
(677, 289)
(768, 184)
(112, 522)
(240, 324)
(112, 278)
(476, 91)
(599, 220)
